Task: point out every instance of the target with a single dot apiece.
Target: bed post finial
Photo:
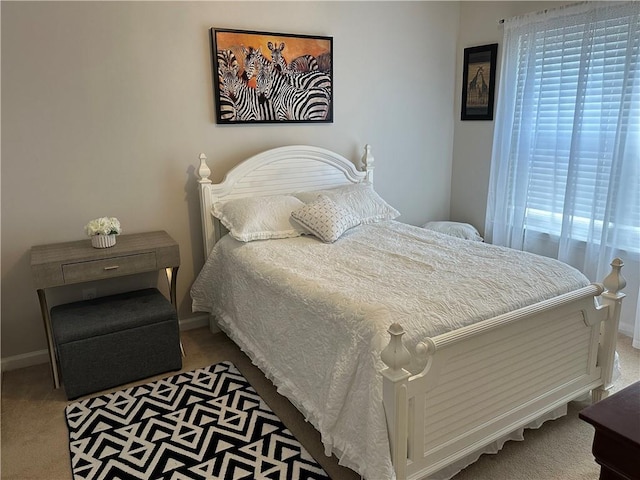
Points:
(367, 163)
(204, 171)
(614, 282)
(395, 355)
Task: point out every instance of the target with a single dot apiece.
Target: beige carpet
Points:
(34, 433)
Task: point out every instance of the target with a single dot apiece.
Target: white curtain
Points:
(565, 168)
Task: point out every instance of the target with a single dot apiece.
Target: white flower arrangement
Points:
(103, 226)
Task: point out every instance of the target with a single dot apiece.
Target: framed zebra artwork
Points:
(479, 82)
(264, 77)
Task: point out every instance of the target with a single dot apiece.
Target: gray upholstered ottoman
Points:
(113, 340)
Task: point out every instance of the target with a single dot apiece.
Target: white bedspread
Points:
(314, 316)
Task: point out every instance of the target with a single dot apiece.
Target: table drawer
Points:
(109, 267)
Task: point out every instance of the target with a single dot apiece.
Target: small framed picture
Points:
(265, 77)
(479, 82)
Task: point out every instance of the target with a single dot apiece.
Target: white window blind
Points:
(565, 164)
(570, 145)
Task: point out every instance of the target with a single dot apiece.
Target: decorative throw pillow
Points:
(455, 229)
(325, 219)
(361, 198)
(259, 218)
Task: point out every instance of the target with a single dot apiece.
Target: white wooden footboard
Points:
(484, 381)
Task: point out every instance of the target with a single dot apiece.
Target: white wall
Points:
(106, 106)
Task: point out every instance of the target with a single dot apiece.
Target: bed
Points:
(412, 352)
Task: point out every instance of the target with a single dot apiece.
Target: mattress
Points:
(313, 316)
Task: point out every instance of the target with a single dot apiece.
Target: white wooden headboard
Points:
(280, 170)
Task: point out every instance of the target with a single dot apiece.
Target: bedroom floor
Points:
(34, 433)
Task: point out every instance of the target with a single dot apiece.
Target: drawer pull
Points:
(114, 267)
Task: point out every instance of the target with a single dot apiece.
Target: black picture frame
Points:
(479, 82)
(268, 77)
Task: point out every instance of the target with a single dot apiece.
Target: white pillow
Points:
(325, 219)
(361, 198)
(455, 229)
(259, 218)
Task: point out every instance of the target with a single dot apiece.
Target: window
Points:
(572, 132)
(565, 166)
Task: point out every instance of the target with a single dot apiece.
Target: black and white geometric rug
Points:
(205, 424)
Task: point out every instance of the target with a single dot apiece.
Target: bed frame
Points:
(480, 382)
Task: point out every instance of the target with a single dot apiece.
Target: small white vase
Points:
(103, 241)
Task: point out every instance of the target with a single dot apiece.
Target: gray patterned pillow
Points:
(361, 198)
(325, 219)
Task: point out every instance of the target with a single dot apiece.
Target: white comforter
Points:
(313, 316)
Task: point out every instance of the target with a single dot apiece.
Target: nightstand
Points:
(76, 262)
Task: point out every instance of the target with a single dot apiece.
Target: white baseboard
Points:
(25, 360)
(196, 321)
(626, 330)
(42, 356)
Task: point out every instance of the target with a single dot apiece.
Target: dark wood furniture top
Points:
(616, 443)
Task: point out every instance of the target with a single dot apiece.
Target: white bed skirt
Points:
(495, 447)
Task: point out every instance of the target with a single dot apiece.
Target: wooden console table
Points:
(616, 443)
(75, 262)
